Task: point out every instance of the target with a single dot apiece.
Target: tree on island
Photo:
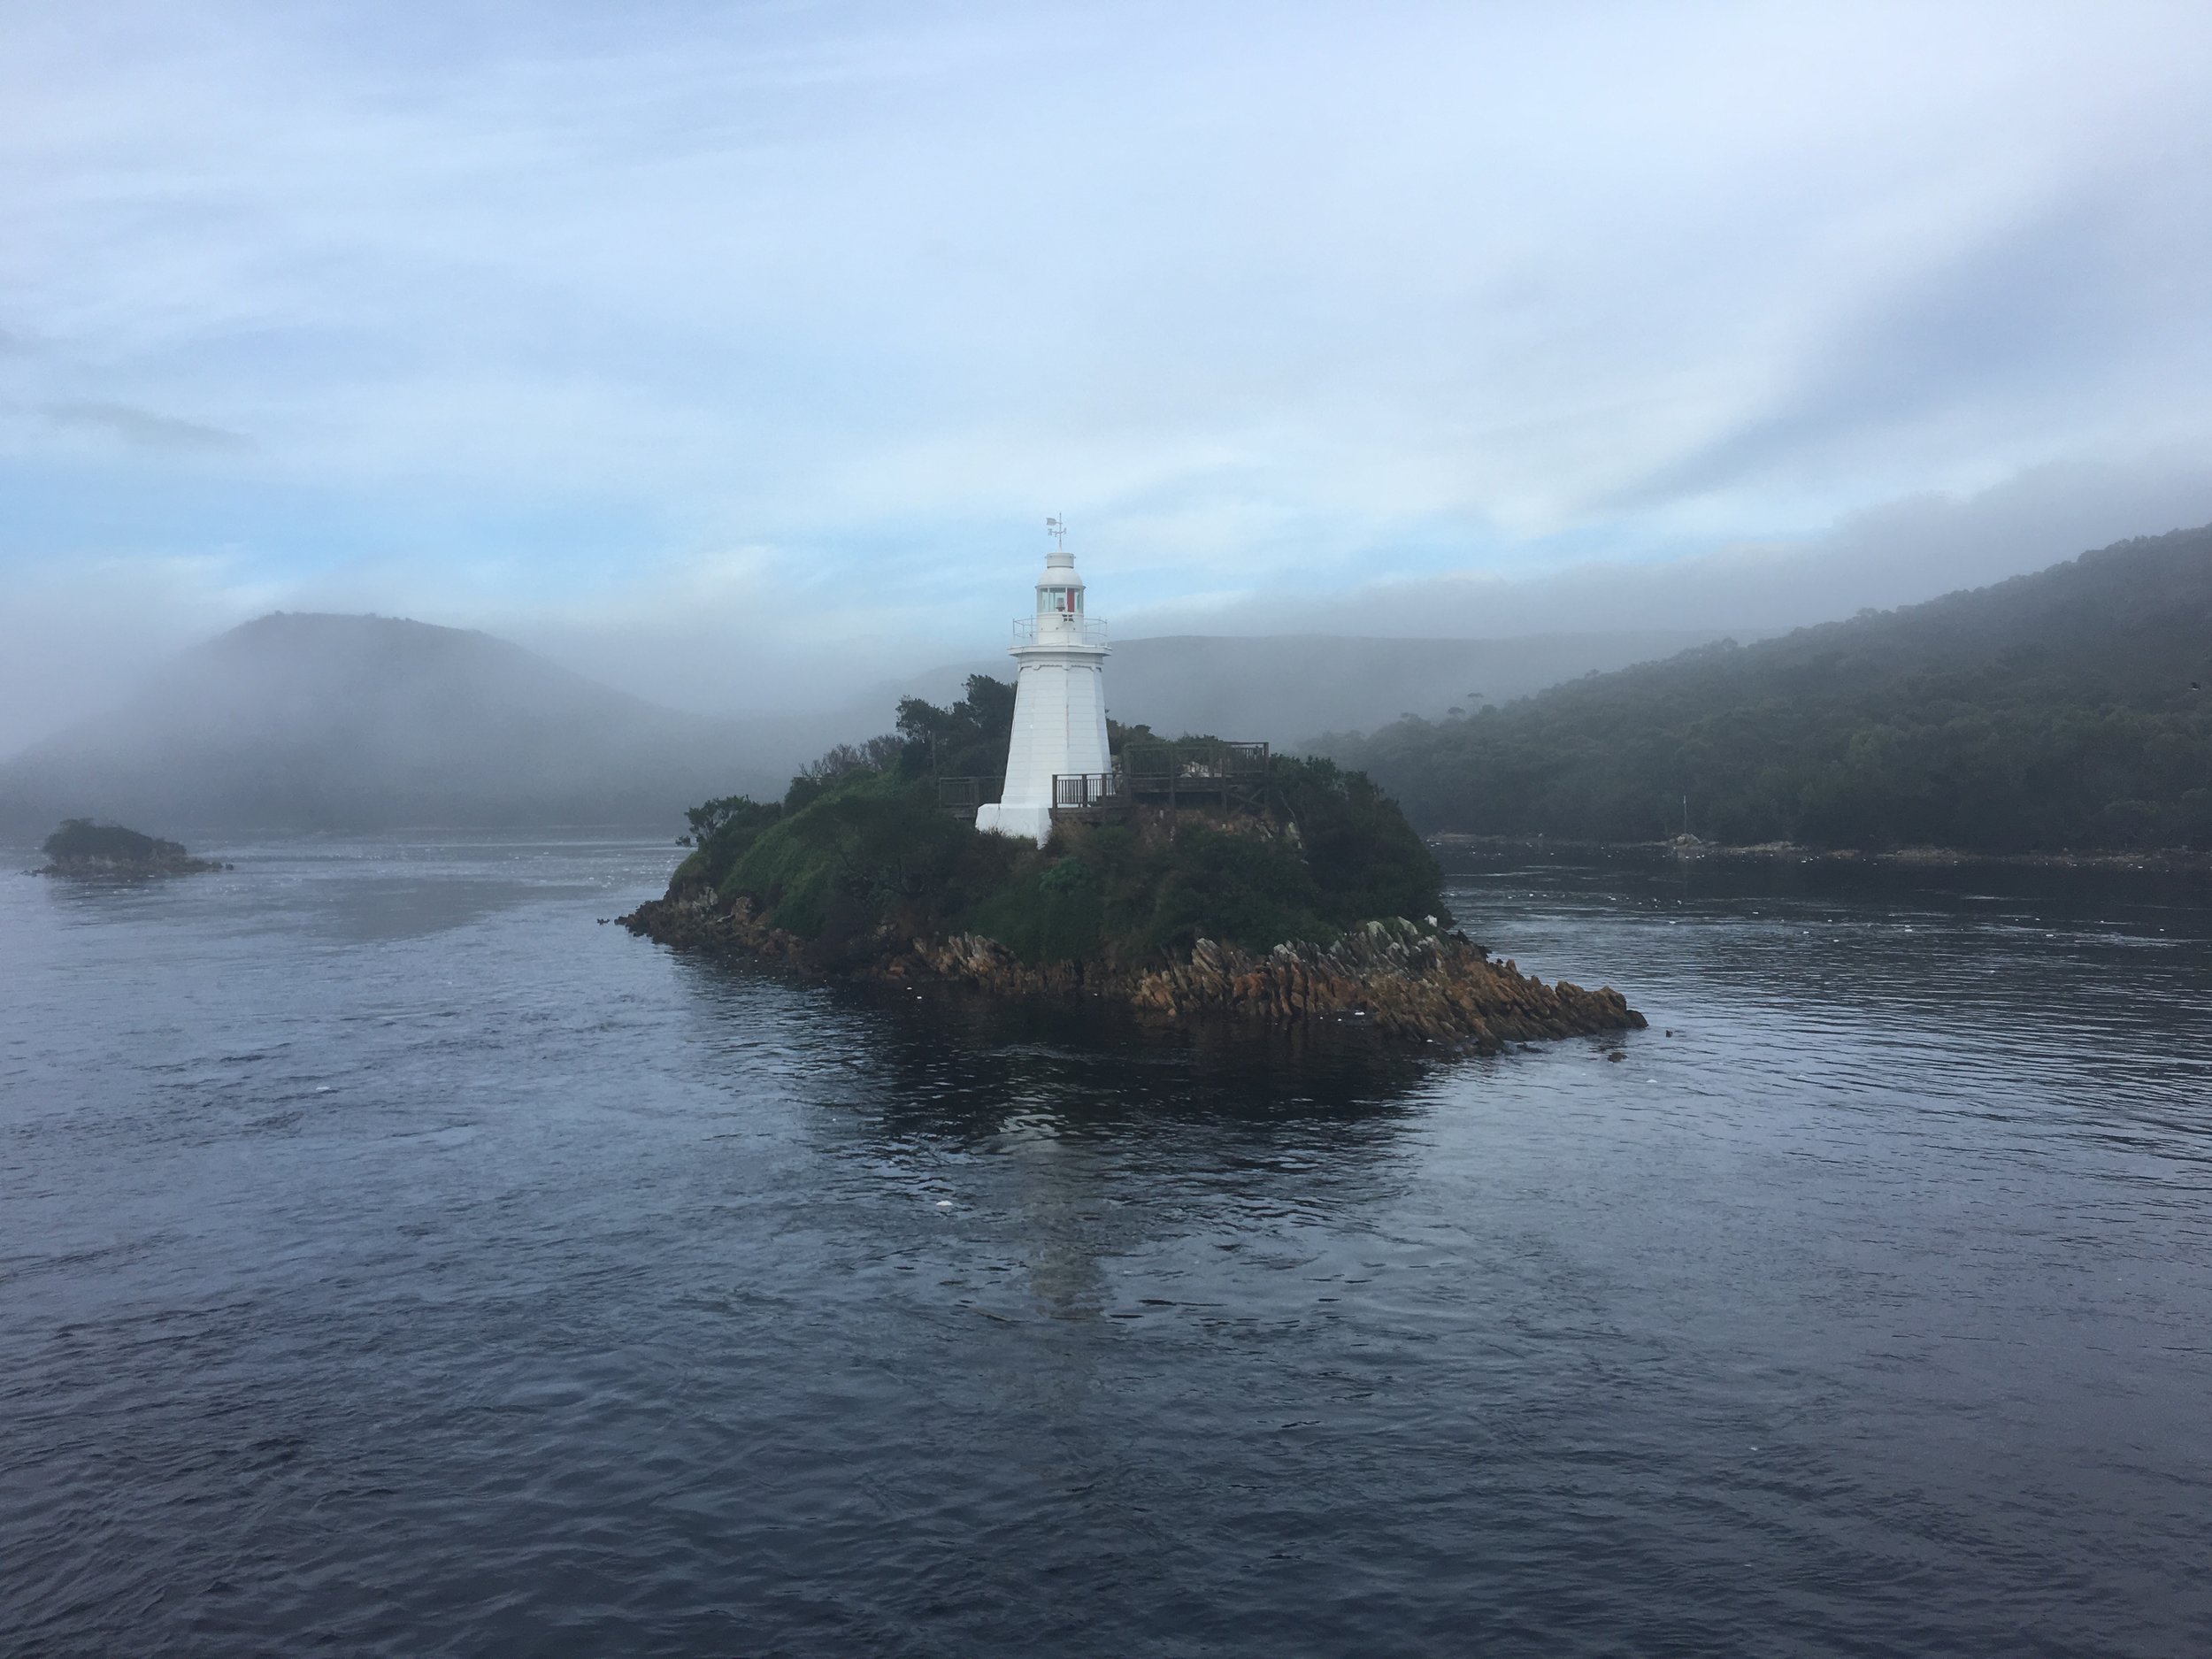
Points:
(84, 839)
(83, 846)
(966, 740)
(859, 844)
(1304, 898)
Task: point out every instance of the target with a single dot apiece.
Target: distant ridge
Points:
(301, 721)
(1284, 688)
(313, 721)
(2069, 710)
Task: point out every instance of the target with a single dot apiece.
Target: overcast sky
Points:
(707, 344)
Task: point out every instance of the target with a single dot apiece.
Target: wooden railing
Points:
(1232, 774)
(1080, 791)
(1174, 770)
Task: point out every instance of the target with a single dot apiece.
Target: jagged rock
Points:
(1397, 977)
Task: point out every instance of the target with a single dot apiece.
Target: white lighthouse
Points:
(1059, 702)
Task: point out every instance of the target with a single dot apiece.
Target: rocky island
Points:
(1022, 844)
(1300, 895)
(83, 847)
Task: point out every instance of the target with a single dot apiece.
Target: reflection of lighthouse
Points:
(1059, 702)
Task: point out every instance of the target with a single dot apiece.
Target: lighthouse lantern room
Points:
(1059, 700)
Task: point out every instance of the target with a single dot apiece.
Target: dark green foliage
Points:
(968, 740)
(1110, 892)
(1235, 887)
(1121, 739)
(81, 840)
(723, 831)
(860, 844)
(1365, 860)
(712, 816)
(871, 849)
(843, 760)
(2054, 711)
(1053, 910)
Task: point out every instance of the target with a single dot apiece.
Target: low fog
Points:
(731, 360)
(733, 357)
(302, 722)
(318, 722)
(784, 663)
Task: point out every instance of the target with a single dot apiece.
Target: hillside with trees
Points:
(2063, 710)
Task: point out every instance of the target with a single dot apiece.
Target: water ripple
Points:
(393, 1260)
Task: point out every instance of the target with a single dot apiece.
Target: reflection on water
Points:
(955, 1064)
(393, 1259)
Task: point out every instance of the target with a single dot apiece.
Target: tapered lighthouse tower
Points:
(1059, 700)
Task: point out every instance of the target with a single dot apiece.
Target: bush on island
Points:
(859, 843)
(80, 839)
(1313, 901)
(83, 846)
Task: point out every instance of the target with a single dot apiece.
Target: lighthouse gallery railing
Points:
(1076, 631)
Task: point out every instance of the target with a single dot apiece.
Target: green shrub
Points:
(855, 852)
(870, 847)
(1365, 860)
(80, 839)
(724, 830)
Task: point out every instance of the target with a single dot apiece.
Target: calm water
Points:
(394, 1261)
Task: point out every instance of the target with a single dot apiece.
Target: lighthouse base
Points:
(1032, 823)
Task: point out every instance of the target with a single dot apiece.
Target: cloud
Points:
(1899, 552)
(2045, 309)
(77, 635)
(753, 630)
(142, 428)
(533, 315)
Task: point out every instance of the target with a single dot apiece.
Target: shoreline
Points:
(1394, 978)
(128, 869)
(2166, 861)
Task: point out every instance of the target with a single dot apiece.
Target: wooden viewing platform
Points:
(1232, 776)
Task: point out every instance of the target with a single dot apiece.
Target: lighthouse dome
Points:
(1059, 590)
(1060, 570)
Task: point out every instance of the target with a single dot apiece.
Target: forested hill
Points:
(2067, 710)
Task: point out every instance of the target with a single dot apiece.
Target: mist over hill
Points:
(313, 722)
(301, 721)
(2057, 710)
(1285, 689)
(2060, 710)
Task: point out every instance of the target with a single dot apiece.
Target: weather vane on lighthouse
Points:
(1057, 529)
